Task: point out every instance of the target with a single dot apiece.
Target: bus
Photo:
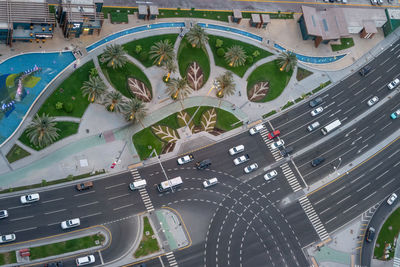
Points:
(170, 184)
(331, 126)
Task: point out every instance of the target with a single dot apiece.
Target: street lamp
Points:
(337, 167)
(162, 168)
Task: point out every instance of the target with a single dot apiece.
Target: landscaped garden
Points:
(302, 74)
(344, 44)
(388, 233)
(149, 243)
(8, 258)
(16, 153)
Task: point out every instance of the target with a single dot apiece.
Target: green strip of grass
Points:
(119, 17)
(288, 104)
(145, 138)
(119, 77)
(321, 86)
(344, 44)
(302, 73)
(69, 91)
(67, 128)
(8, 258)
(270, 72)
(171, 121)
(272, 15)
(65, 247)
(147, 245)
(16, 153)
(188, 54)
(108, 10)
(146, 44)
(191, 13)
(227, 121)
(387, 235)
(269, 114)
(248, 48)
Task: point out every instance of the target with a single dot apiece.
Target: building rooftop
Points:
(355, 17)
(24, 11)
(81, 10)
(393, 13)
(237, 14)
(154, 10)
(142, 10)
(265, 18)
(255, 18)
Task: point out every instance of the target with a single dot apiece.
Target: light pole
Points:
(162, 168)
(337, 167)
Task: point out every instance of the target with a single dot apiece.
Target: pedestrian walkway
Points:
(275, 152)
(314, 218)
(290, 177)
(142, 191)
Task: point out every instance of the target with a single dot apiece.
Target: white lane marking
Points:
(280, 125)
(325, 210)
(337, 94)
(375, 121)
(380, 88)
(52, 200)
(50, 224)
(386, 60)
(344, 101)
(376, 80)
(392, 67)
(347, 135)
(358, 190)
(124, 195)
(361, 149)
(21, 218)
(369, 195)
(359, 91)
(87, 204)
(369, 137)
(350, 208)
(376, 166)
(358, 138)
(369, 97)
(353, 181)
(84, 193)
(333, 114)
(362, 130)
(381, 175)
(343, 199)
(331, 220)
(26, 229)
(393, 49)
(383, 186)
(17, 207)
(347, 111)
(319, 201)
(340, 189)
(351, 85)
(387, 125)
(115, 185)
(91, 215)
(51, 212)
(395, 165)
(123, 207)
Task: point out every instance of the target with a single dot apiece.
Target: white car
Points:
(251, 168)
(256, 129)
(393, 84)
(373, 101)
(70, 223)
(3, 214)
(185, 159)
(7, 238)
(270, 175)
(210, 182)
(277, 144)
(317, 111)
(30, 198)
(236, 150)
(241, 159)
(392, 199)
(85, 260)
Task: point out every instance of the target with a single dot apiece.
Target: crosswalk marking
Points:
(171, 259)
(290, 177)
(143, 192)
(275, 153)
(314, 218)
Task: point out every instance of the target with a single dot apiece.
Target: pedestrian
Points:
(181, 29)
(100, 135)
(240, 94)
(75, 66)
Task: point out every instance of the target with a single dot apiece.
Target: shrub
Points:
(219, 43)
(143, 56)
(44, 182)
(249, 60)
(138, 49)
(68, 107)
(220, 52)
(59, 105)
(256, 53)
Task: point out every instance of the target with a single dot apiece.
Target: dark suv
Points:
(201, 165)
(370, 234)
(285, 152)
(317, 161)
(364, 71)
(315, 102)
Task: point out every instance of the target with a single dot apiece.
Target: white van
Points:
(210, 182)
(138, 184)
(85, 260)
(256, 129)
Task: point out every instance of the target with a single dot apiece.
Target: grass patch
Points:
(119, 17)
(67, 128)
(147, 245)
(386, 235)
(227, 121)
(52, 9)
(288, 104)
(65, 247)
(248, 48)
(302, 73)
(119, 77)
(272, 15)
(321, 86)
(192, 13)
(171, 121)
(108, 10)
(8, 258)
(297, 100)
(187, 54)
(146, 43)
(69, 91)
(344, 44)
(145, 138)
(270, 72)
(16, 153)
(269, 114)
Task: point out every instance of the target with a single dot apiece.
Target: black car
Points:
(364, 71)
(315, 102)
(201, 165)
(317, 161)
(285, 152)
(55, 264)
(370, 234)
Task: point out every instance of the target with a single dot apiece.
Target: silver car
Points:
(250, 168)
(317, 111)
(270, 175)
(373, 101)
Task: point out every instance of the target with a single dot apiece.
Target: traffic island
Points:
(389, 233)
(149, 243)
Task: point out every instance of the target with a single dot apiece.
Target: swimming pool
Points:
(51, 64)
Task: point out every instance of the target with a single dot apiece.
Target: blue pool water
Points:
(229, 29)
(134, 30)
(51, 64)
(315, 60)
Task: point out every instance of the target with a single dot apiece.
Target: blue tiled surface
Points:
(229, 29)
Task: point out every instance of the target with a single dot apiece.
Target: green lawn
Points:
(145, 138)
(272, 15)
(225, 120)
(345, 43)
(187, 54)
(146, 43)
(248, 48)
(147, 245)
(8, 258)
(65, 247)
(16, 153)
(321, 86)
(108, 10)
(288, 104)
(67, 128)
(270, 72)
(269, 114)
(119, 17)
(170, 121)
(69, 91)
(214, 15)
(386, 235)
(302, 73)
(119, 77)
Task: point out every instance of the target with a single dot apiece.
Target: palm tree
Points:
(197, 36)
(115, 56)
(42, 131)
(178, 89)
(287, 61)
(170, 67)
(226, 84)
(235, 56)
(114, 101)
(162, 51)
(134, 110)
(94, 88)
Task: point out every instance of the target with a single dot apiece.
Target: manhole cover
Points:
(147, 233)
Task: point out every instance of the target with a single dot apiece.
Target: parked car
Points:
(393, 84)
(3, 214)
(201, 165)
(7, 238)
(317, 111)
(395, 114)
(84, 186)
(274, 134)
(185, 159)
(85, 260)
(380, 2)
(70, 223)
(373, 101)
(370, 234)
(317, 161)
(250, 168)
(277, 144)
(392, 199)
(30, 198)
(236, 150)
(256, 129)
(365, 70)
(55, 264)
(287, 151)
(270, 175)
(374, 2)
(210, 182)
(241, 159)
(313, 126)
(315, 102)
